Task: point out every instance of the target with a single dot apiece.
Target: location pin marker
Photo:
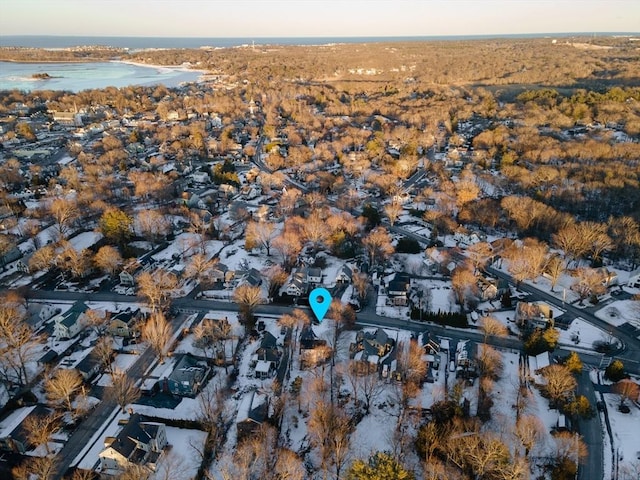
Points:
(320, 301)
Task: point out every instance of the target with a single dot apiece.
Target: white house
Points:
(138, 443)
(314, 275)
(345, 275)
(69, 324)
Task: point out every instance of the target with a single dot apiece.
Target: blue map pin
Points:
(320, 301)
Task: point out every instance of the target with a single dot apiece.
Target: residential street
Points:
(592, 432)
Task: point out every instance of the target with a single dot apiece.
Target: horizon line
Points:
(582, 33)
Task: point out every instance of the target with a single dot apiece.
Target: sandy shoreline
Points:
(181, 68)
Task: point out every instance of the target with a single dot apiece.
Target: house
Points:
(11, 256)
(139, 442)
(13, 434)
(313, 350)
(398, 290)
(344, 275)
(249, 277)
(252, 413)
(127, 275)
(429, 344)
(371, 347)
(538, 362)
(90, 366)
(491, 288)
(314, 275)
(49, 358)
(297, 285)
(67, 325)
(532, 315)
(609, 278)
(125, 324)
(187, 378)
(126, 279)
(267, 356)
(465, 360)
(469, 238)
(22, 265)
(309, 339)
(220, 273)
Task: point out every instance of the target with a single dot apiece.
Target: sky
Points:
(314, 18)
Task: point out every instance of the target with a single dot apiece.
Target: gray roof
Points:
(135, 431)
(187, 369)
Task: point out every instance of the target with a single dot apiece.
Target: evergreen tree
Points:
(380, 466)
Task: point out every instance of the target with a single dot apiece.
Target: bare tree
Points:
(484, 454)
(371, 387)
(378, 245)
(135, 472)
(108, 259)
(288, 245)
(199, 268)
(156, 287)
(588, 282)
(123, 390)
(361, 285)
(330, 431)
(200, 227)
(42, 468)
(42, 259)
(571, 447)
(526, 259)
(256, 456)
(103, 351)
(315, 230)
(157, 333)
(95, 319)
(62, 386)
(275, 277)
(479, 253)
(493, 327)
(411, 362)
(18, 345)
(260, 234)
(554, 268)
(289, 465)
(64, 212)
(76, 263)
(211, 415)
(393, 211)
(248, 298)
(559, 383)
(171, 465)
(464, 285)
(40, 428)
(490, 362)
(530, 431)
(82, 474)
(152, 225)
(296, 319)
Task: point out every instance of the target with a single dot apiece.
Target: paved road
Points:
(591, 431)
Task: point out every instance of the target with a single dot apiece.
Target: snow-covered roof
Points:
(12, 421)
